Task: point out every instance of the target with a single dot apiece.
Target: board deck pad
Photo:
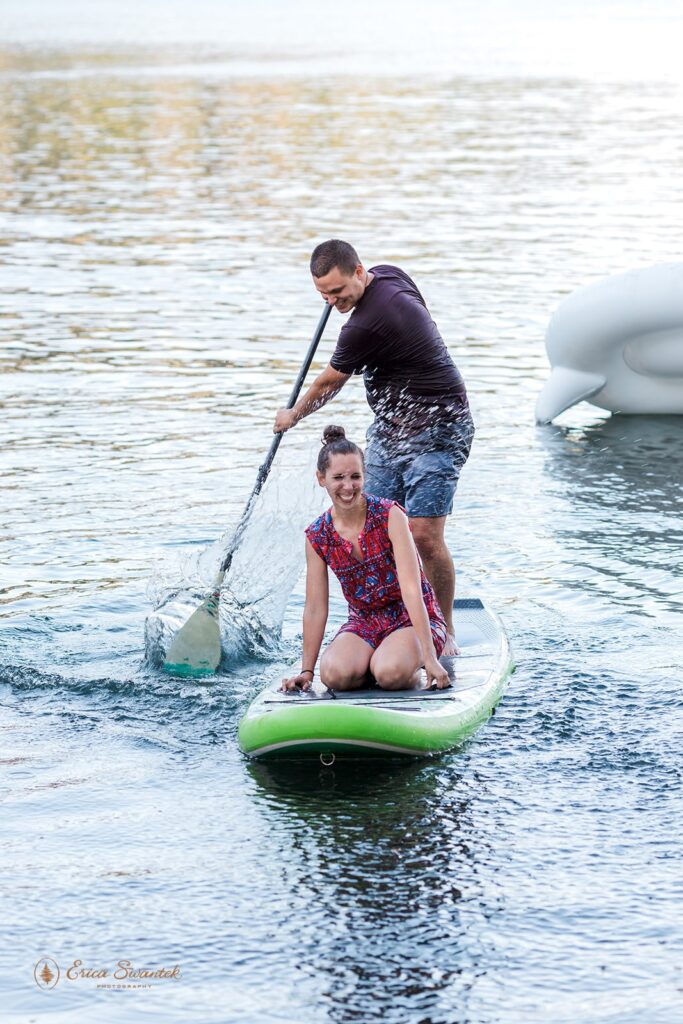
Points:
(417, 720)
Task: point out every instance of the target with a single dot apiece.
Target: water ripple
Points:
(159, 208)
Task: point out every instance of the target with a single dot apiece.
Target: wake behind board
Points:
(371, 721)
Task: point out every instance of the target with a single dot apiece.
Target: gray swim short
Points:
(420, 472)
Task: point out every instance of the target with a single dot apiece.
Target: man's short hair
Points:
(333, 253)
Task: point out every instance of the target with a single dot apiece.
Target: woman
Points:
(395, 625)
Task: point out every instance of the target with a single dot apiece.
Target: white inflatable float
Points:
(618, 343)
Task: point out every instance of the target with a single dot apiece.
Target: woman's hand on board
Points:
(300, 682)
(437, 676)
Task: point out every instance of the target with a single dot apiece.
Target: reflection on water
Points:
(623, 498)
(160, 199)
(624, 462)
(380, 855)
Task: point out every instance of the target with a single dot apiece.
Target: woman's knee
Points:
(393, 676)
(336, 676)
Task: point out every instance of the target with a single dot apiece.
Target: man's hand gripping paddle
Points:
(196, 647)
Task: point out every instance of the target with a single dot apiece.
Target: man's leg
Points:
(428, 534)
(382, 476)
(431, 480)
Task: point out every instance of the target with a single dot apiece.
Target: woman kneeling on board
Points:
(395, 625)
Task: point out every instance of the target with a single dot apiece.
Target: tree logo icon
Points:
(46, 973)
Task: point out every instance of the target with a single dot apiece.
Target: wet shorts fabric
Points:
(422, 472)
(376, 628)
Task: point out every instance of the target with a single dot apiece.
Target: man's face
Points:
(342, 290)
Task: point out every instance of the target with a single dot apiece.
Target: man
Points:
(422, 432)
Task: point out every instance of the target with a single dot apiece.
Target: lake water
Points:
(165, 170)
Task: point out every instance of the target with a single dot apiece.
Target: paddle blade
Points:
(196, 647)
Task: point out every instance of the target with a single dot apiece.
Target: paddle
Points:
(196, 647)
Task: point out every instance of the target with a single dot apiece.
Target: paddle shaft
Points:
(264, 469)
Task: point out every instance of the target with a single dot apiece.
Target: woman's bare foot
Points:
(451, 649)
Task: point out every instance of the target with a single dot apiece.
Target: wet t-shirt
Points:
(410, 379)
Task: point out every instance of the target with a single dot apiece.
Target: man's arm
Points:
(321, 391)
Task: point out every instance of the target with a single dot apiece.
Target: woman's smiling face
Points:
(343, 480)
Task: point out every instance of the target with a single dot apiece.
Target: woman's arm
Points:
(408, 571)
(315, 619)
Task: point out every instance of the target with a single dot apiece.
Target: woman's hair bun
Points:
(331, 433)
(335, 442)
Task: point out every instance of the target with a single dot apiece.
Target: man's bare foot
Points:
(451, 649)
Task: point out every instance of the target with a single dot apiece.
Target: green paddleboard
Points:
(367, 722)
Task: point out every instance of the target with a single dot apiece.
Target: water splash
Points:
(264, 570)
